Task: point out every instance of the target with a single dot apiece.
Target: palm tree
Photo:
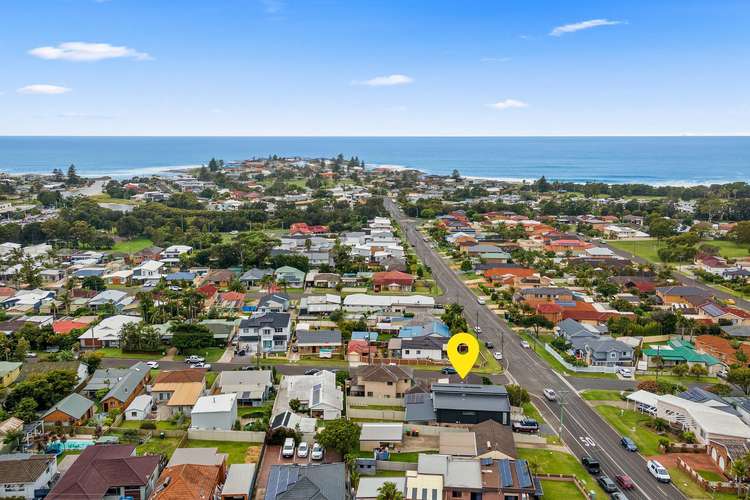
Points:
(389, 491)
(267, 281)
(739, 471)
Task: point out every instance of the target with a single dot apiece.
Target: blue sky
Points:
(325, 67)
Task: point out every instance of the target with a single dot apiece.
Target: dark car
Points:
(312, 371)
(591, 464)
(489, 345)
(448, 371)
(625, 482)
(628, 444)
(607, 484)
(528, 425)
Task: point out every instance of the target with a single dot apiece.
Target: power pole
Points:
(561, 400)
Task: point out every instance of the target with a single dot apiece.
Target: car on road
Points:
(527, 425)
(489, 345)
(618, 495)
(606, 483)
(525, 344)
(311, 371)
(550, 394)
(628, 444)
(303, 449)
(658, 471)
(481, 301)
(448, 370)
(625, 482)
(591, 464)
(317, 452)
(152, 364)
(248, 368)
(625, 372)
(207, 366)
(497, 355)
(194, 359)
(287, 451)
(478, 329)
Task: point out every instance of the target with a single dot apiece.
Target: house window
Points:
(406, 351)
(390, 383)
(456, 494)
(279, 330)
(369, 394)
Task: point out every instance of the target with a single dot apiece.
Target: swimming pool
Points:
(70, 444)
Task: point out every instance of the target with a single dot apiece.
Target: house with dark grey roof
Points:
(23, 474)
(570, 329)
(424, 347)
(459, 403)
(273, 302)
(307, 482)
(269, 332)
(322, 343)
(254, 276)
(74, 409)
(602, 351)
(123, 391)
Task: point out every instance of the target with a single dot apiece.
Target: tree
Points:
(294, 405)
(740, 467)
(662, 228)
(466, 265)
(187, 336)
(680, 370)
(740, 377)
(389, 491)
(456, 174)
(92, 360)
(29, 273)
(341, 435)
(22, 347)
(26, 409)
(658, 364)
(698, 371)
(95, 283)
(73, 178)
(517, 395)
(741, 232)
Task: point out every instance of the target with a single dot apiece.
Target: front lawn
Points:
(691, 489)
(600, 395)
(132, 246)
(236, 450)
(560, 489)
(538, 347)
(557, 462)
(210, 378)
(624, 421)
(687, 380)
(212, 354)
(530, 411)
(114, 352)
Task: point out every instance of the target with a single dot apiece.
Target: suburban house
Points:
(317, 279)
(23, 474)
(215, 412)
(721, 349)
(140, 408)
(271, 330)
(253, 387)
(107, 332)
(316, 393)
(539, 295)
(319, 304)
(425, 347)
(108, 471)
(254, 276)
(172, 253)
(678, 352)
(126, 388)
(670, 295)
(392, 281)
(273, 302)
(312, 482)
(189, 482)
(602, 350)
(219, 277)
(459, 403)
(117, 298)
(148, 270)
(106, 378)
(292, 276)
(179, 389)
(9, 372)
(706, 422)
(319, 343)
(377, 435)
(381, 381)
(724, 452)
(571, 329)
(493, 440)
(361, 302)
(73, 409)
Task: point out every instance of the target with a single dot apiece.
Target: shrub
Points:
(148, 424)
(517, 395)
(664, 443)
(720, 389)
(688, 437)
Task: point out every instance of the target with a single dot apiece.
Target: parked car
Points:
(194, 359)
(658, 471)
(618, 495)
(312, 371)
(528, 425)
(287, 451)
(607, 484)
(525, 344)
(448, 370)
(241, 352)
(31, 354)
(481, 301)
(303, 449)
(207, 366)
(625, 372)
(591, 464)
(550, 394)
(317, 452)
(723, 373)
(625, 482)
(152, 364)
(497, 355)
(628, 444)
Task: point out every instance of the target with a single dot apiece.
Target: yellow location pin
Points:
(463, 359)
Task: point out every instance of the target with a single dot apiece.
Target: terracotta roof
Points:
(549, 308)
(187, 481)
(186, 394)
(101, 467)
(392, 277)
(207, 291)
(67, 326)
(180, 376)
(522, 272)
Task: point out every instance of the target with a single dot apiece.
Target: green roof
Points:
(681, 350)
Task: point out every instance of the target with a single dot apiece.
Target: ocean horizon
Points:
(664, 160)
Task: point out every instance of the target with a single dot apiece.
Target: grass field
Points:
(560, 489)
(113, 352)
(235, 450)
(161, 425)
(132, 246)
(155, 445)
(600, 395)
(530, 411)
(680, 380)
(647, 249)
(557, 462)
(624, 421)
(691, 489)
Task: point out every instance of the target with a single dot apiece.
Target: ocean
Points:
(651, 160)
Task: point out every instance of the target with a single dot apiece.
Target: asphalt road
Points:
(583, 431)
(687, 280)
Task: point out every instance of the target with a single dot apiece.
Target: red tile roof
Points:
(549, 308)
(66, 326)
(207, 290)
(188, 481)
(388, 277)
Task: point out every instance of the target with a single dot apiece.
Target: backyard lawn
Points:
(560, 489)
(624, 421)
(132, 246)
(557, 462)
(155, 445)
(161, 425)
(236, 451)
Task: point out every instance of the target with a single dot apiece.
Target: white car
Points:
(478, 329)
(481, 301)
(194, 359)
(497, 355)
(317, 452)
(207, 366)
(625, 372)
(658, 471)
(303, 449)
(525, 344)
(287, 451)
(550, 394)
(152, 364)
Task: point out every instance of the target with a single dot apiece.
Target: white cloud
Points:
(509, 104)
(87, 52)
(387, 81)
(41, 88)
(583, 25)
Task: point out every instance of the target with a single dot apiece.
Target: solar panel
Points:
(506, 478)
(522, 471)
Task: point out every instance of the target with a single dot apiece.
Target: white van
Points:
(287, 451)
